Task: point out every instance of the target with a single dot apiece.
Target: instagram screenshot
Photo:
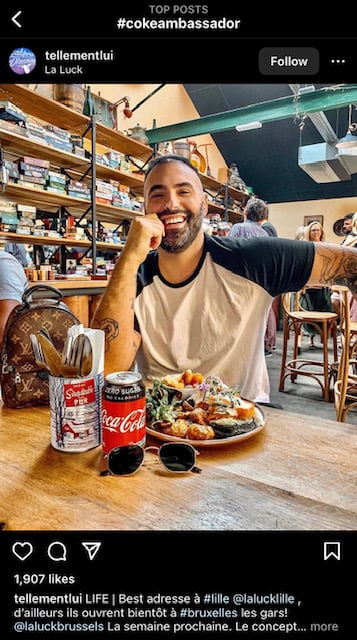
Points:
(178, 323)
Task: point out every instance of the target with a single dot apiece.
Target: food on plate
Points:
(212, 411)
(178, 428)
(185, 379)
(200, 432)
(171, 381)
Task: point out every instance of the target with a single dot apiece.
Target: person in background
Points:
(350, 241)
(316, 298)
(254, 213)
(19, 251)
(314, 232)
(300, 233)
(274, 313)
(179, 299)
(351, 238)
(13, 283)
(223, 229)
(267, 225)
(347, 226)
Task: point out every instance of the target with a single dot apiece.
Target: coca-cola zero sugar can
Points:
(123, 410)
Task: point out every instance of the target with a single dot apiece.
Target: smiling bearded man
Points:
(180, 299)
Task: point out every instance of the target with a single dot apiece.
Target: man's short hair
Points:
(169, 157)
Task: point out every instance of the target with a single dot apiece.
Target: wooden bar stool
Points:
(345, 387)
(325, 323)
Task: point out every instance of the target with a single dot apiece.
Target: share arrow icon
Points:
(92, 548)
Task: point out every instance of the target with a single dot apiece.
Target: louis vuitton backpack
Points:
(23, 382)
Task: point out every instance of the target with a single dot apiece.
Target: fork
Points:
(72, 333)
(76, 353)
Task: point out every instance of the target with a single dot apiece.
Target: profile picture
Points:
(22, 61)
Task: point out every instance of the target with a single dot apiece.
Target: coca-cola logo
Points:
(134, 421)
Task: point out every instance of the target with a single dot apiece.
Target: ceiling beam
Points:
(326, 99)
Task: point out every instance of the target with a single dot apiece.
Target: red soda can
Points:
(123, 410)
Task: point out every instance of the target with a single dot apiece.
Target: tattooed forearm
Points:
(337, 265)
(110, 328)
(115, 315)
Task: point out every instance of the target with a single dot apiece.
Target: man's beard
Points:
(177, 241)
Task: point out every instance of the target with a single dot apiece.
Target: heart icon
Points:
(22, 550)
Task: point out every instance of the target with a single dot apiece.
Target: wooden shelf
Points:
(76, 206)
(235, 216)
(109, 246)
(135, 182)
(241, 196)
(211, 184)
(53, 112)
(58, 114)
(20, 145)
(214, 207)
(26, 238)
(16, 144)
(218, 208)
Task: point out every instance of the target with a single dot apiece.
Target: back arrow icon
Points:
(14, 19)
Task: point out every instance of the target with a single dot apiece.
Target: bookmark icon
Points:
(332, 550)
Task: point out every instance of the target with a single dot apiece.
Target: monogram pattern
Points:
(23, 383)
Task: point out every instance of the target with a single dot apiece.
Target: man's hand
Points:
(115, 313)
(145, 233)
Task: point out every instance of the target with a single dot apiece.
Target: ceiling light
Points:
(248, 126)
(350, 139)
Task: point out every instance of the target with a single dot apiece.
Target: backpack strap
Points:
(41, 288)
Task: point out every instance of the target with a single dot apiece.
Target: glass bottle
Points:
(88, 106)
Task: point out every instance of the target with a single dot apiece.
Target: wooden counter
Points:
(78, 286)
(298, 473)
(81, 296)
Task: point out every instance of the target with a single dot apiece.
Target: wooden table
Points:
(298, 473)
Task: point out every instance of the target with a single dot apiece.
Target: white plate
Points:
(215, 442)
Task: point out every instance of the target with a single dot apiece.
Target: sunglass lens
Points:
(177, 457)
(125, 460)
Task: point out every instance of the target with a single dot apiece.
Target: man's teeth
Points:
(174, 220)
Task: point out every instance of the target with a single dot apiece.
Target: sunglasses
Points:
(174, 457)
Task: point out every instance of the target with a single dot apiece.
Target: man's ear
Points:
(204, 204)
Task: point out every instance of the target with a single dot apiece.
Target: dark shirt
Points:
(189, 324)
(270, 229)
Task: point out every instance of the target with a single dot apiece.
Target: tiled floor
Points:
(304, 395)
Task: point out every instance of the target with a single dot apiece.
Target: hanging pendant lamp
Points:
(350, 139)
